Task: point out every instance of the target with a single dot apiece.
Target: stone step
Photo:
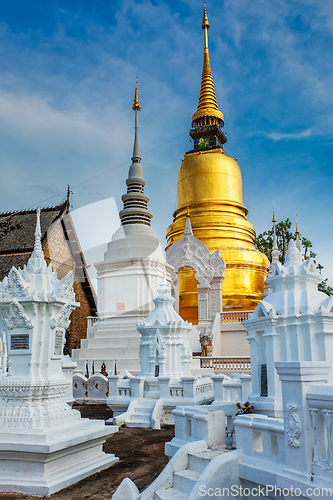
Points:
(146, 404)
(131, 423)
(199, 461)
(169, 494)
(140, 415)
(184, 480)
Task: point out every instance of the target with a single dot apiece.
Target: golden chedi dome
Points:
(210, 192)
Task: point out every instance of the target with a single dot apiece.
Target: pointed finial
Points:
(136, 104)
(188, 227)
(273, 219)
(207, 106)
(298, 242)
(38, 250)
(275, 249)
(164, 273)
(136, 107)
(205, 22)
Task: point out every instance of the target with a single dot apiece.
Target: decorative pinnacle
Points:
(207, 105)
(188, 227)
(136, 104)
(205, 22)
(136, 107)
(275, 249)
(38, 250)
(274, 219)
(297, 231)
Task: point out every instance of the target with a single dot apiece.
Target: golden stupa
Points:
(210, 193)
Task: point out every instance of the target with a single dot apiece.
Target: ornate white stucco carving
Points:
(164, 339)
(34, 313)
(292, 426)
(209, 272)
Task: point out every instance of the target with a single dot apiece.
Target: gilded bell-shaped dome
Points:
(210, 192)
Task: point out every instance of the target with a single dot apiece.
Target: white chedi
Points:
(292, 323)
(164, 344)
(44, 443)
(34, 314)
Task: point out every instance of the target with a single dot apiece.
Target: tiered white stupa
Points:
(165, 380)
(293, 323)
(127, 279)
(44, 444)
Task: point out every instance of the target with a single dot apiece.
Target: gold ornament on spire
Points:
(207, 107)
(136, 104)
(297, 231)
(274, 219)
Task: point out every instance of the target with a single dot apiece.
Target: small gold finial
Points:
(274, 219)
(205, 22)
(297, 231)
(136, 104)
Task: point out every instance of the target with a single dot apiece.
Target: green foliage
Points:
(284, 235)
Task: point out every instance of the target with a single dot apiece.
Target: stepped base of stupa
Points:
(111, 340)
(41, 462)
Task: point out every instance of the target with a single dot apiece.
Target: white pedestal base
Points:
(42, 461)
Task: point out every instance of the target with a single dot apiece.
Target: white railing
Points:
(176, 392)
(260, 436)
(320, 401)
(226, 363)
(203, 385)
(124, 388)
(91, 320)
(234, 316)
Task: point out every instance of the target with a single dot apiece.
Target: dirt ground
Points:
(141, 458)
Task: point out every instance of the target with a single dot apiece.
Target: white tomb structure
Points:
(44, 444)
(286, 456)
(127, 279)
(293, 323)
(165, 380)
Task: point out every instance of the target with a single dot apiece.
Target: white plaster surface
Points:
(44, 444)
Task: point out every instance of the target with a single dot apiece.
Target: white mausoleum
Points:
(165, 380)
(44, 444)
(293, 323)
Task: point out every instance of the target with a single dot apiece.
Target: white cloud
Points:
(277, 136)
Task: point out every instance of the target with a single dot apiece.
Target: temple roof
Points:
(17, 239)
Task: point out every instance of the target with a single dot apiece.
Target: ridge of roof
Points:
(64, 204)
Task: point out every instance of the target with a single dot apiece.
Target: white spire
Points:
(298, 243)
(38, 250)
(37, 262)
(188, 227)
(275, 249)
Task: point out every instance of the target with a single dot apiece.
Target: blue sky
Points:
(67, 77)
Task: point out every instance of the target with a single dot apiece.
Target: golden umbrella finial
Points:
(136, 104)
(207, 106)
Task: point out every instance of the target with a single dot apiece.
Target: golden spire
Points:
(207, 106)
(274, 219)
(297, 231)
(136, 104)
